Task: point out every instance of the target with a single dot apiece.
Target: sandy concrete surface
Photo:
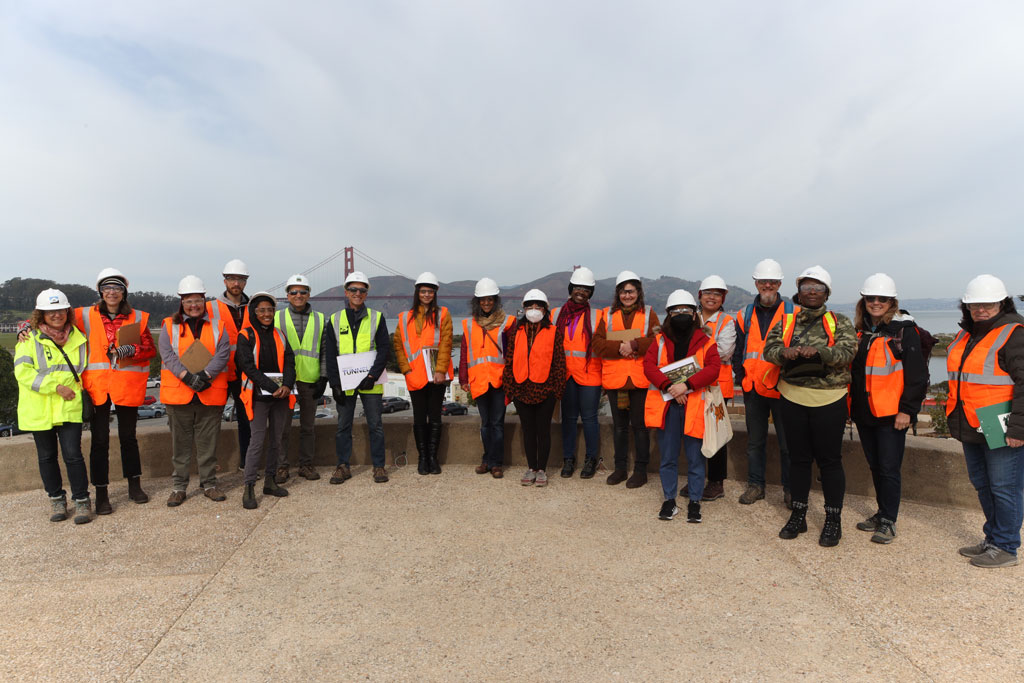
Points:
(464, 577)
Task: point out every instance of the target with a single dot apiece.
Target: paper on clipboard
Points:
(354, 367)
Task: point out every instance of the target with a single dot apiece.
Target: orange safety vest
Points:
(754, 364)
(576, 365)
(656, 407)
(828, 322)
(173, 391)
(217, 310)
(415, 343)
(615, 371)
(725, 374)
(883, 378)
(124, 381)
(245, 393)
(486, 359)
(977, 380)
(533, 362)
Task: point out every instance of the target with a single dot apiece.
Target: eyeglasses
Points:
(767, 283)
(193, 302)
(717, 293)
(813, 289)
(427, 290)
(688, 312)
(264, 309)
(111, 288)
(236, 278)
(628, 291)
(987, 306)
(357, 290)
(878, 299)
(299, 292)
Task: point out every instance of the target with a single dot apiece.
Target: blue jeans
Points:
(756, 409)
(580, 401)
(69, 435)
(669, 440)
(373, 406)
(491, 405)
(883, 447)
(998, 477)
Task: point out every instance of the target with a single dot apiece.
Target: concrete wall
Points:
(933, 469)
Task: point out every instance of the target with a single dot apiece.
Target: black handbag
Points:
(88, 409)
(801, 368)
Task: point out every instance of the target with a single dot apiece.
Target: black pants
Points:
(69, 435)
(99, 451)
(536, 421)
(883, 447)
(244, 433)
(815, 434)
(622, 421)
(426, 404)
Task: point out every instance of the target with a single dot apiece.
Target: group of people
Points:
(800, 365)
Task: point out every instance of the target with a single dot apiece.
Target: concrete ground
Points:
(461, 576)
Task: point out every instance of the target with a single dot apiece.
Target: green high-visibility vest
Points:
(307, 352)
(364, 341)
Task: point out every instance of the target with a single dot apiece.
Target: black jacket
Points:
(267, 361)
(905, 342)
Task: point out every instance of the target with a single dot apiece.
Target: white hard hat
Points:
(626, 276)
(297, 279)
(879, 284)
(108, 273)
(357, 276)
(582, 276)
(485, 286)
(427, 278)
(535, 295)
(190, 284)
(235, 267)
(51, 300)
(713, 282)
(680, 297)
(816, 273)
(768, 269)
(261, 295)
(985, 289)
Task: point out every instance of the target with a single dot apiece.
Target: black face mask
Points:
(681, 324)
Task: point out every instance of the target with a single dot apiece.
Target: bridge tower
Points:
(350, 261)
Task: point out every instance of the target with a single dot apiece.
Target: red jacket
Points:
(144, 349)
(706, 376)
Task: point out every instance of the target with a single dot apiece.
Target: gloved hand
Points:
(366, 384)
(206, 379)
(200, 382)
(125, 351)
(319, 387)
(338, 394)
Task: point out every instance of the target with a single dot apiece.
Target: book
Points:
(429, 356)
(679, 372)
(994, 419)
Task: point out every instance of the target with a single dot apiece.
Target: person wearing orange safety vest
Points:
(761, 403)
(889, 378)
(624, 333)
(534, 379)
(985, 362)
(194, 400)
(680, 419)
(582, 397)
(481, 364)
(266, 364)
(425, 333)
(232, 309)
(810, 352)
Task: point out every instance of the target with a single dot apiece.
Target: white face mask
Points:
(534, 315)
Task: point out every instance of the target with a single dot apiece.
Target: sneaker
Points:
(693, 512)
(568, 467)
(380, 475)
(754, 493)
(542, 478)
(714, 490)
(83, 514)
(589, 468)
(282, 475)
(870, 524)
(992, 558)
(307, 472)
(341, 474)
(58, 509)
(668, 510)
(529, 476)
(885, 533)
(974, 550)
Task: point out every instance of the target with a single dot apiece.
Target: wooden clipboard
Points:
(624, 335)
(196, 357)
(129, 334)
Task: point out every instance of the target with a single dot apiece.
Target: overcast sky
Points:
(514, 139)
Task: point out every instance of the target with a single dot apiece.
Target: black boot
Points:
(249, 497)
(135, 492)
(568, 466)
(433, 446)
(271, 488)
(589, 468)
(797, 523)
(833, 529)
(102, 501)
(419, 434)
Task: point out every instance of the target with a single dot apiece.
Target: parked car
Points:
(149, 400)
(394, 403)
(153, 383)
(452, 408)
(10, 429)
(152, 410)
(321, 412)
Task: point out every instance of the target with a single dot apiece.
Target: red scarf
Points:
(59, 337)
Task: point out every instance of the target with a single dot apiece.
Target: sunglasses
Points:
(264, 309)
(357, 290)
(299, 292)
(768, 283)
(813, 289)
(878, 299)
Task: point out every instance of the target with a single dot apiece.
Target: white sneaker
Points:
(529, 476)
(542, 478)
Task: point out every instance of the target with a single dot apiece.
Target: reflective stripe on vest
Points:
(615, 372)
(366, 341)
(725, 381)
(980, 386)
(44, 368)
(307, 351)
(755, 367)
(656, 407)
(469, 324)
(883, 378)
(417, 377)
(246, 391)
(173, 391)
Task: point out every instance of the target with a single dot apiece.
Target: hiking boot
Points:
(589, 468)
(992, 558)
(270, 488)
(974, 550)
(497, 472)
(668, 510)
(214, 494)
(380, 475)
(482, 468)
(870, 524)
(541, 479)
(797, 523)
(568, 467)
(135, 492)
(282, 474)
(102, 501)
(58, 508)
(714, 490)
(249, 497)
(832, 531)
(885, 533)
(307, 472)
(639, 477)
(83, 513)
(342, 473)
(175, 499)
(529, 476)
(616, 477)
(693, 512)
(754, 493)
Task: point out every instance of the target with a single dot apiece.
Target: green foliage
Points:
(18, 296)
(938, 414)
(8, 389)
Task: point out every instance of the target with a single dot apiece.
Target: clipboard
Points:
(993, 421)
(128, 334)
(196, 357)
(624, 335)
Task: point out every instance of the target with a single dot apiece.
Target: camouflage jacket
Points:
(811, 332)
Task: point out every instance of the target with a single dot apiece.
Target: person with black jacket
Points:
(889, 381)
